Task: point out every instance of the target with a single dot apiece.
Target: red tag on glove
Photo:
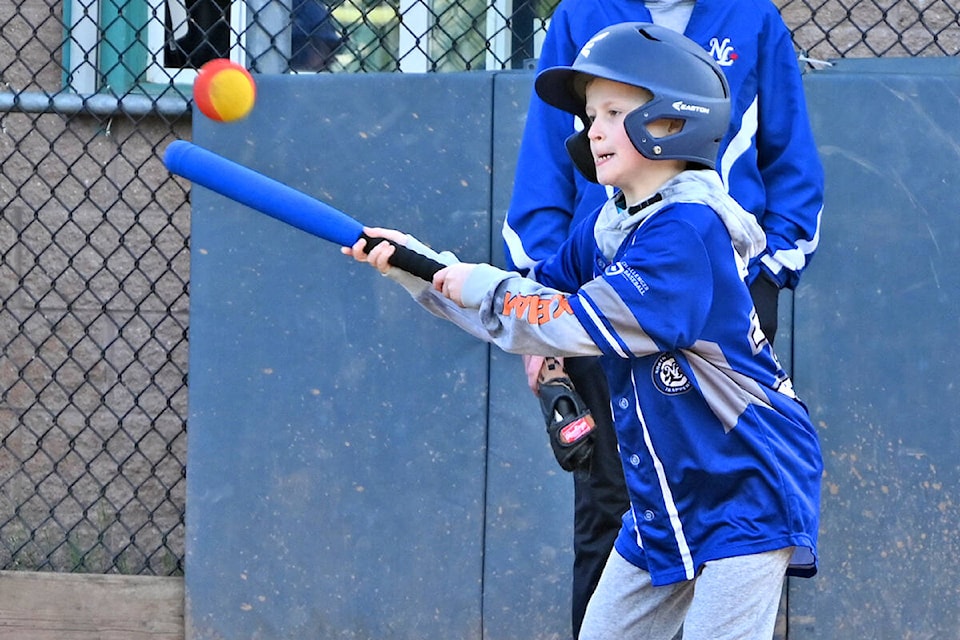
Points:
(576, 429)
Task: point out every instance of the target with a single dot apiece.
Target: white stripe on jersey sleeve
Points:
(627, 339)
(594, 315)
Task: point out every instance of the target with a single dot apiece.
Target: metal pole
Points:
(268, 35)
(97, 104)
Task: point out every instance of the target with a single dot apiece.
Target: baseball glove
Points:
(569, 423)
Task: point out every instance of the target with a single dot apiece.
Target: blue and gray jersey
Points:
(720, 457)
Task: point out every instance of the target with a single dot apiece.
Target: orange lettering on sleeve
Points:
(539, 310)
(536, 309)
(563, 306)
(515, 305)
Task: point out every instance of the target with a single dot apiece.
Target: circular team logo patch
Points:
(668, 377)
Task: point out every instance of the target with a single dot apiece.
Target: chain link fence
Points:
(95, 234)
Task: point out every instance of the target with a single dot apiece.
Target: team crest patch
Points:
(668, 377)
(723, 52)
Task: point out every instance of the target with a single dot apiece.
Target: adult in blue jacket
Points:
(768, 161)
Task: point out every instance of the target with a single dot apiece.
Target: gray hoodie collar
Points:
(698, 186)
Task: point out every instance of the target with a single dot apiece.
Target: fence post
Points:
(268, 35)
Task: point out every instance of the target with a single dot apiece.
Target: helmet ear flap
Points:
(578, 147)
(636, 127)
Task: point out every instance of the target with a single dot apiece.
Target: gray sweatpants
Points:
(732, 598)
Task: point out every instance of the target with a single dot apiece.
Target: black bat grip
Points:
(407, 259)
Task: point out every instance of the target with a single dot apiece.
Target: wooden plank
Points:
(70, 606)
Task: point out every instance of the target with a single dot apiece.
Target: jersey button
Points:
(649, 515)
(624, 403)
(635, 460)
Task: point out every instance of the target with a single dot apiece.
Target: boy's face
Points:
(618, 162)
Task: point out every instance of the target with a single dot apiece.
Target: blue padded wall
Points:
(875, 348)
(337, 434)
(528, 551)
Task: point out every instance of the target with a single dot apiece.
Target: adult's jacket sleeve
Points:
(788, 161)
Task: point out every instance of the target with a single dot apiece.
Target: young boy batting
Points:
(721, 461)
(768, 161)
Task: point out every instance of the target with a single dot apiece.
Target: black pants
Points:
(600, 492)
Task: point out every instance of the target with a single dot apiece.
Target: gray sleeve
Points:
(517, 314)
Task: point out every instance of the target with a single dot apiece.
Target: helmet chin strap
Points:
(640, 206)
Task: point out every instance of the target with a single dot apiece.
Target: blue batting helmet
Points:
(686, 84)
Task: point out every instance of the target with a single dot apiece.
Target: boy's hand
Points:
(450, 281)
(381, 253)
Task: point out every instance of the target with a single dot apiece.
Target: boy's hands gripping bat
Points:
(283, 203)
(569, 423)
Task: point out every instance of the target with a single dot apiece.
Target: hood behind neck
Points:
(697, 186)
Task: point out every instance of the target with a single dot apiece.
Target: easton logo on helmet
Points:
(680, 105)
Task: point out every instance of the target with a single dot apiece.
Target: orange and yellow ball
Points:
(224, 90)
